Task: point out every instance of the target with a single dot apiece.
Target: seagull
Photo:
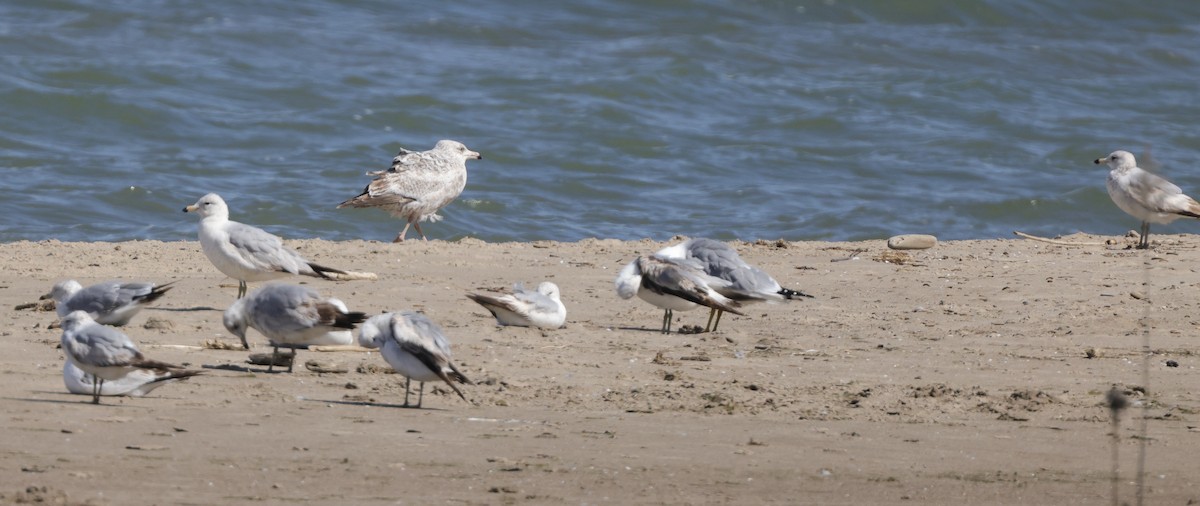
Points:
(136, 383)
(109, 303)
(673, 285)
(1145, 195)
(104, 352)
(415, 347)
(746, 283)
(291, 316)
(526, 308)
(247, 253)
(418, 184)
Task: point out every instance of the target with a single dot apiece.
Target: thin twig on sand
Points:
(1056, 241)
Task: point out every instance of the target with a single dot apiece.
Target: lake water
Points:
(804, 120)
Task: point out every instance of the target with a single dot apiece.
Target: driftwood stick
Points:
(1056, 241)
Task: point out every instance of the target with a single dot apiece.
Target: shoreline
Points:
(963, 372)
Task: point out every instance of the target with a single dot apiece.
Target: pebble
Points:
(912, 241)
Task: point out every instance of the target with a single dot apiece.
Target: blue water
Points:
(831, 120)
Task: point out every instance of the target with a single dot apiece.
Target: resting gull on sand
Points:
(291, 316)
(109, 303)
(415, 347)
(1145, 195)
(106, 353)
(418, 184)
(542, 308)
(673, 285)
(247, 253)
(746, 283)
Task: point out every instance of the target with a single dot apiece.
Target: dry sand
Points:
(958, 375)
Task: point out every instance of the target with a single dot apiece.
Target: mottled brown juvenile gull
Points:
(745, 283)
(415, 347)
(292, 316)
(104, 352)
(247, 253)
(673, 285)
(542, 308)
(109, 303)
(418, 184)
(1145, 195)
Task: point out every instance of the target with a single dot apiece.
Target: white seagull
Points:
(291, 316)
(109, 303)
(137, 383)
(418, 184)
(673, 285)
(247, 253)
(1145, 195)
(104, 352)
(541, 308)
(415, 347)
(746, 283)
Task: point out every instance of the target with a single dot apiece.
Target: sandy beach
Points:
(974, 372)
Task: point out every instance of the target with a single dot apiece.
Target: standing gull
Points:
(418, 184)
(526, 308)
(104, 352)
(1145, 195)
(291, 316)
(109, 303)
(137, 383)
(746, 283)
(415, 347)
(247, 253)
(673, 285)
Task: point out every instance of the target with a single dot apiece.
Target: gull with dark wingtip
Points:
(746, 283)
(673, 285)
(1145, 195)
(247, 253)
(109, 303)
(415, 347)
(106, 353)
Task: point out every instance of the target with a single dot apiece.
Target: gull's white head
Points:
(63, 290)
(548, 289)
(209, 205)
(629, 280)
(371, 332)
(236, 320)
(1118, 160)
(457, 148)
(76, 319)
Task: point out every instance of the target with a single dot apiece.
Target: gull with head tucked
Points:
(109, 303)
(291, 316)
(415, 347)
(247, 253)
(745, 283)
(1145, 195)
(542, 308)
(418, 184)
(673, 285)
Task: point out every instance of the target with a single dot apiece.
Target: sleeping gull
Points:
(247, 253)
(418, 184)
(415, 347)
(1145, 195)
(137, 383)
(104, 352)
(526, 308)
(746, 283)
(673, 285)
(109, 303)
(291, 316)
